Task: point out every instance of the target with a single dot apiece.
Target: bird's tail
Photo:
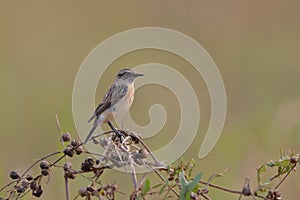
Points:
(90, 134)
(94, 115)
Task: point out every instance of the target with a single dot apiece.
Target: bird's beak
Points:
(137, 74)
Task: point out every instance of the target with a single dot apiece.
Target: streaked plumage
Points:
(116, 101)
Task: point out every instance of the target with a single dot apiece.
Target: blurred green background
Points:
(255, 44)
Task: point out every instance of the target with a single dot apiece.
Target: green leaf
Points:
(183, 181)
(187, 187)
(194, 183)
(184, 188)
(146, 187)
(157, 186)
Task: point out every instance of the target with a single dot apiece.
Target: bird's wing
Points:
(118, 93)
(100, 109)
(112, 96)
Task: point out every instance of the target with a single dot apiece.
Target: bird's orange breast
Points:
(121, 107)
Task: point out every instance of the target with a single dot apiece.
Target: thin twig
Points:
(146, 147)
(221, 188)
(7, 185)
(67, 162)
(287, 174)
(133, 176)
(101, 134)
(164, 180)
(39, 160)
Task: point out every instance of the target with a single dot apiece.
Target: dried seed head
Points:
(171, 172)
(67, 166)
(82, 192)
(293, 160)
(20, 189)
(70, 175)
(33, 185)
(25, 183)
(66, 137)
(103, 142)
(75, 143)
(87, 164)
(28, 177)
(90, 189)
(38, 192)
(45, 172)
(69, 151)
(79, 150)
(14, 175)
(142, 154)
(44, 164)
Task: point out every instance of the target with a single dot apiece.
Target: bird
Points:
(117, 100)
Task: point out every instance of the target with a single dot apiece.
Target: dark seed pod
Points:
(78, 150)
(14, 175)
(20, 189)
(38, 192)
(87, 164)
(70, 175)
(66, 137)
(69, 151)
(44, 164)
(33, 185)
(45, 172)
(82, 192)
(85, 167)
(28, 177)
(75, 143)
(25, 183)
(90, 161)
(90, 189)
(293, 160)
(67, 166)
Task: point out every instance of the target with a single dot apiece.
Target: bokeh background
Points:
(255, 44)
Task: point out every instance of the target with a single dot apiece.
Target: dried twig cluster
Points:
(127, 153)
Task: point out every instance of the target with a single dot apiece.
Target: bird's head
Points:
(127, 75)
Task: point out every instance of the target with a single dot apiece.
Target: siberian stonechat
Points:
(116, 101)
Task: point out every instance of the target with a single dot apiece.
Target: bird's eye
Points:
(121, 74)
